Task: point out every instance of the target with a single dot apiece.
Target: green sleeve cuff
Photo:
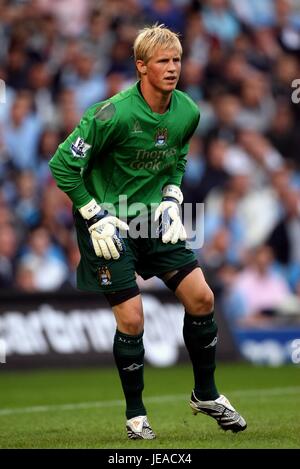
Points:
(79, 196)
(176, 180)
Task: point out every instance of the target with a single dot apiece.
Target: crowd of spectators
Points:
(240, 63)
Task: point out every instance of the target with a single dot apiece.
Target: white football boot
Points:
(138, 428)
(222, 411)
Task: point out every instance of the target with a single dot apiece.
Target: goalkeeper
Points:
(134, 145)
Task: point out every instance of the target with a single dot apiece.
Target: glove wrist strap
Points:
(170, 199)
(101, 214)
(89, 210)
(171, 192)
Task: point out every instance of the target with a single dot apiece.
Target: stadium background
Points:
(241, 65)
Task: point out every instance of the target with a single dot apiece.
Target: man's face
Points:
(162, 70)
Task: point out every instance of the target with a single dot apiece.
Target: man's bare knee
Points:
(131, 325)
(195, 294)
(203, 302)
(129, 316)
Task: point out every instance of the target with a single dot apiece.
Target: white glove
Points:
(104, 229)
(171, 226)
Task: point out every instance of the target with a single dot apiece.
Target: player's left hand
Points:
(171, 227)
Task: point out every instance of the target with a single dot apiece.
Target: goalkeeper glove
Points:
(104, 229)
(171, 227)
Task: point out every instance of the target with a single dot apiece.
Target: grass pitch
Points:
(85, 409)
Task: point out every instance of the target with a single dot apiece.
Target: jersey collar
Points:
(137, 89)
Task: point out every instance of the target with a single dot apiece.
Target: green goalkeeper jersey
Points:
(122, 148)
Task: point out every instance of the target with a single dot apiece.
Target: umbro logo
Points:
(136, 423)
(133, 367)
(213, 343)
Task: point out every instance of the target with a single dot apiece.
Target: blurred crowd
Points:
(57, 57)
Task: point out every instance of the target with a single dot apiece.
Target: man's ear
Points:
(141, 67)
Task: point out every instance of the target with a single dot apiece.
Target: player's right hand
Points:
(104, 229)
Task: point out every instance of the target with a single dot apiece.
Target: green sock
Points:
(200, 337)
(129, 357)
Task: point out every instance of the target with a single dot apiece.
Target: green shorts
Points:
(144, 256)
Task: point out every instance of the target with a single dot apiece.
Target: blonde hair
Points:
(151, 37)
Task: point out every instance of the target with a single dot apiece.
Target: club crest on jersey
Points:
(79, 148)
(161, 137)
(104, 276)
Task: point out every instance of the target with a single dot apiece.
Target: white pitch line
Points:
(150, 400)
